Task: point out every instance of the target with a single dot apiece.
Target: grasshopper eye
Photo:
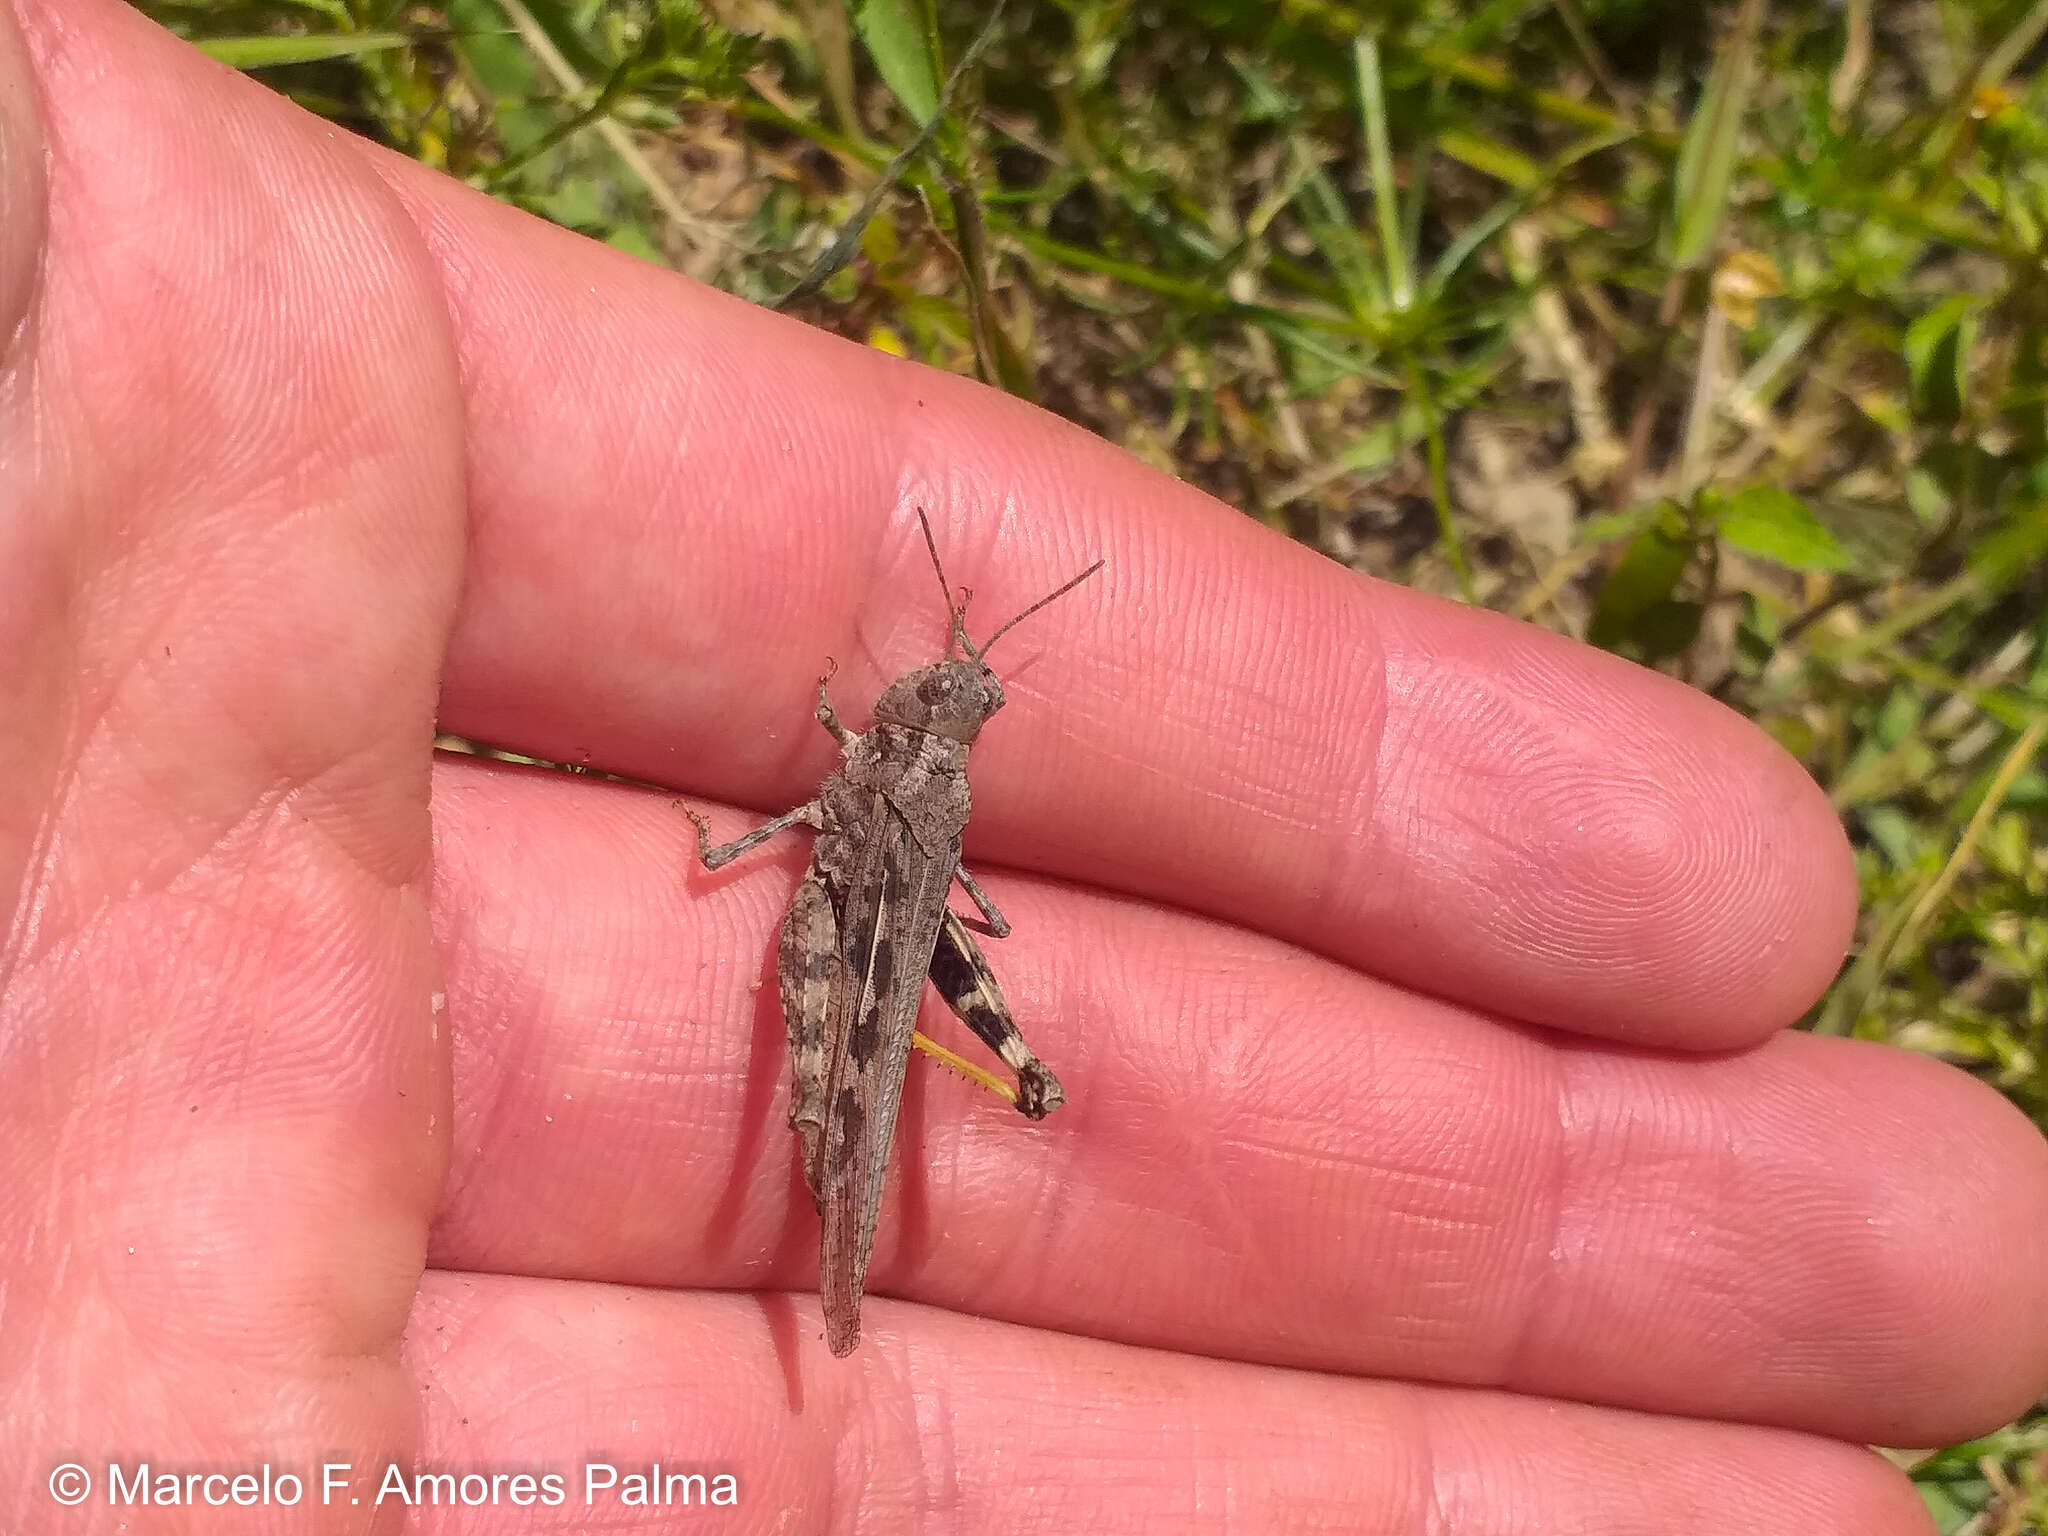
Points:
(933, 689)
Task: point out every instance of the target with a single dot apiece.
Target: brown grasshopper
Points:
(870, 922)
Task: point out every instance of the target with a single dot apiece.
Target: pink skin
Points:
(302, 448)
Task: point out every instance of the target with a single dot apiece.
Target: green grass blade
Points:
(1707, 154)
(1372, 107)
(270, 51)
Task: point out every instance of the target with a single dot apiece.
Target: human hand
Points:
(1464, 1095)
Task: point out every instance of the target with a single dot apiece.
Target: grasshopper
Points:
(870, 922)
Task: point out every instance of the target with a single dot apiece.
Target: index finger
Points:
(681, 505)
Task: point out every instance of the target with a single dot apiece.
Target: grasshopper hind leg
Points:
(961, 974)
(809, 967)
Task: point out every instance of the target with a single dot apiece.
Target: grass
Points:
(1716, 338)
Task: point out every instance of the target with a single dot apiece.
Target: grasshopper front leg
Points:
(826, 715)
(808, 814)
(961, 974)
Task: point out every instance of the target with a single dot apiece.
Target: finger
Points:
(682, 505)
(1262, 1155)
(993, 1428)
(226, 438)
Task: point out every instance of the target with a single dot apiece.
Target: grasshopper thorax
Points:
(951, 698)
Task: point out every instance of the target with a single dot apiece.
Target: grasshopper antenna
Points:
(956, 617)
(1060, 591)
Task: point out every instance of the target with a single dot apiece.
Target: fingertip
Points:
(1899, 1275)
(1961, 1263)
(1775, 895)
(1640, 861)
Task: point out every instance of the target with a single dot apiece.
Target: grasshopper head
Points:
(951, 698)
(954, 698)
